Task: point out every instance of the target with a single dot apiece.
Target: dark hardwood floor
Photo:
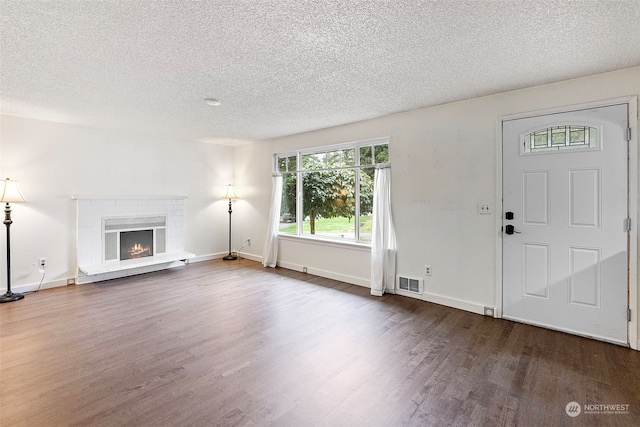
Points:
(232, 343)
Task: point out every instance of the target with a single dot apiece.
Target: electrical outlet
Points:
(427, 270)
(42, 262)
(484, 208)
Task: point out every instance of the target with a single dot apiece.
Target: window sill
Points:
(364, 247)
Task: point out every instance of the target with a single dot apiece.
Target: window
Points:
(328, 192)
(560, 138)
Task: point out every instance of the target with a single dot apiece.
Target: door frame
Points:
(633, 120)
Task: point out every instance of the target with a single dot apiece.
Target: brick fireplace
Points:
(125, 235)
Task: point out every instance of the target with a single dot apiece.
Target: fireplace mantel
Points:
(95, 248)
(124, 197)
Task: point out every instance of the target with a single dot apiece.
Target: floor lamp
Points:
(9, 193)
(230, 194)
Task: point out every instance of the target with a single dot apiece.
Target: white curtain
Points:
(383, 238)
(270, 255)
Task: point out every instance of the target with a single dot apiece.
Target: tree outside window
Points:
(336, 191)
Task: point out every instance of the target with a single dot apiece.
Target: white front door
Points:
(565, 246)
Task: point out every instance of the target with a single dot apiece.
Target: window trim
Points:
(299, 234)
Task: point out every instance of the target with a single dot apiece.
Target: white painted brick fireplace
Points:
(102, 218)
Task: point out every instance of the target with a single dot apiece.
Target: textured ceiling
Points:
(287, 66)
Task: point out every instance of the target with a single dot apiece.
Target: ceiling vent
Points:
(411, 285)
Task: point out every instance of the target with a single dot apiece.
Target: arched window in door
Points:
(560, 138)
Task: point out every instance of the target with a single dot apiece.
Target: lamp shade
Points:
(10, 192)
(230, 192)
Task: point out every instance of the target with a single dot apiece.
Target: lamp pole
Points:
(9, 192)
(230, 194)
(230, 257)
(9, 296)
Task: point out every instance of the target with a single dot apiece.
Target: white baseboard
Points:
(446, 301)
(252, 257)
(328, 274)
(208, 257)
(45, 285)
(220, 255)
(366, 282)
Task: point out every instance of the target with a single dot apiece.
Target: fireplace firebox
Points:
(136, 244)
(129, 238)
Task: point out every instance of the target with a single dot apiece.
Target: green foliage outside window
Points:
(328, 181)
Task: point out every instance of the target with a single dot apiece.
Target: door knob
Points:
(510, 229)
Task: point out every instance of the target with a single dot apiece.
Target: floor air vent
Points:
(411, 285)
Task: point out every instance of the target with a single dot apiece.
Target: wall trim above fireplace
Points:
(125, 197)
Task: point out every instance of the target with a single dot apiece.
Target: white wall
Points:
(443, 164)
(52, 161)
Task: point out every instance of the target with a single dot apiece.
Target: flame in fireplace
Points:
(138, 251)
